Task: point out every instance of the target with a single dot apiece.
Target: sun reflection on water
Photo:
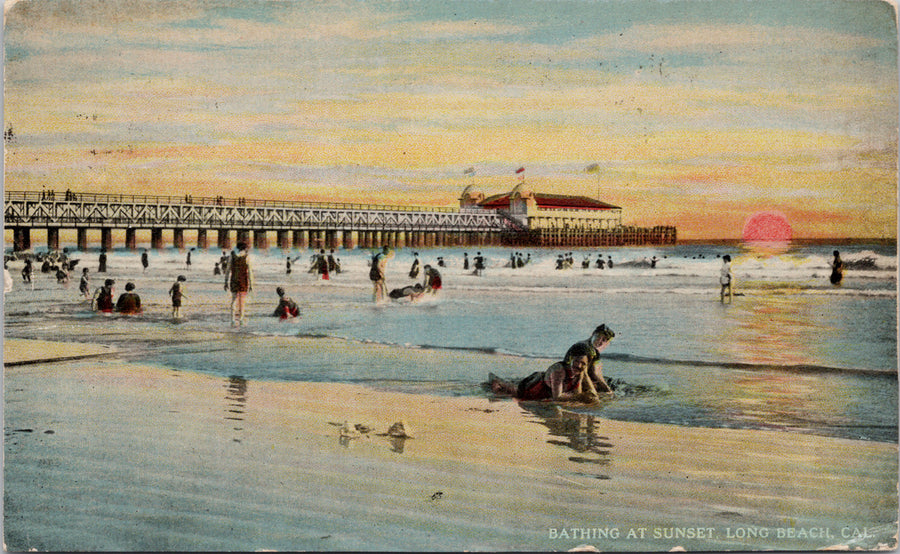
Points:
(772, 329)
(779, 334)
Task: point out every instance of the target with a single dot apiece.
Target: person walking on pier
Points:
(239, 280)
(377, 273)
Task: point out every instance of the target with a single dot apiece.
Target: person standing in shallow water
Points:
(378, 273)
(239, 280)
(145, 260)
(433, 281)
(479, 264)
(103, 297)
(129, 302)
(322, 265)
(177, 294)
(837, 269)
(414, 269)
(726, 278)
(28, 272)
(84, 286)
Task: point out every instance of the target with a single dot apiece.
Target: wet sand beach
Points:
(106, 454)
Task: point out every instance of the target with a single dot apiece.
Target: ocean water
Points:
(790, 353)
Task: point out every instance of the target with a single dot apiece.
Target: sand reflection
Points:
(578, 432)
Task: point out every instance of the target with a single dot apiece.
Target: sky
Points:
(699, 114)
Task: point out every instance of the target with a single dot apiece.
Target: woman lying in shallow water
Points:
(563, 381)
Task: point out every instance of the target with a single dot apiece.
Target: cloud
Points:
(250, 94)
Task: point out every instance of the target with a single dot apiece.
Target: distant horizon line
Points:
(808, 240)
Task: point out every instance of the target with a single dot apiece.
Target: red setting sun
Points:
(768, 226)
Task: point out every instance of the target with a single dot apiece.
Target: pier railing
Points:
(157, 200)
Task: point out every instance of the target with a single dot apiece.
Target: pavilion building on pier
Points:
(534, 210)
(541, 219)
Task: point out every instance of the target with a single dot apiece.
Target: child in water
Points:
(286, 306)
(85, 285)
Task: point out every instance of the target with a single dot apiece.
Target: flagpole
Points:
(595, 168)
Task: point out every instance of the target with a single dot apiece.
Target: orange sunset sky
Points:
(699, 114)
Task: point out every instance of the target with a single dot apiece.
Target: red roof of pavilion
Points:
(551, 201)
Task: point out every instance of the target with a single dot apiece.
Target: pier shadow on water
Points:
(235, 404)
(577, 432)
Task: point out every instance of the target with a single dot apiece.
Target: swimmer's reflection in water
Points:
(236, 401)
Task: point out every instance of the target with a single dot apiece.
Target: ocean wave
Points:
(628, 358)
(807, 368)
(779, 288)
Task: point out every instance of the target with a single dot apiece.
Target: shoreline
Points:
(103, 454)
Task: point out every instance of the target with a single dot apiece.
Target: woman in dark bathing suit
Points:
(563, 381)
(837, 269)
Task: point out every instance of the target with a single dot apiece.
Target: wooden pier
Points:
(297, 225)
